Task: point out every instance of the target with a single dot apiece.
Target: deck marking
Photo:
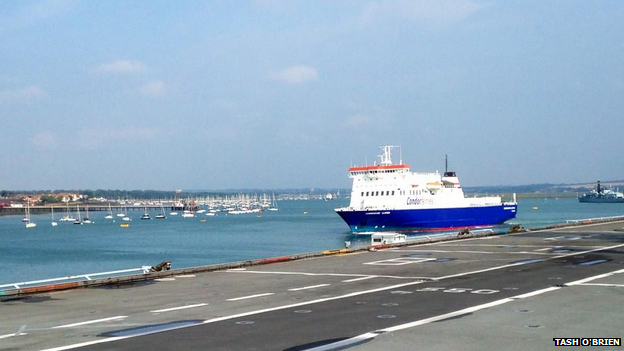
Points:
(358, 279)
(400, 261)
(18, 333)
(244, 314)
(371, 335)
(523, 263)
(180, 308)
(330, 274)
(598, 284)
(90, 322)
(483, 252)
(309, 287)
(249, 297)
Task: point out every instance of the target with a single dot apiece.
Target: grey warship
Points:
(602, 195)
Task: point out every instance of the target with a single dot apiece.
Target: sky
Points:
(279, 94)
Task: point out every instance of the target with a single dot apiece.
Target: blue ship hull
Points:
(427, 219)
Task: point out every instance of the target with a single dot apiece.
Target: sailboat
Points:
(78, 220)
(145, 214)
(29, 224)
(125, 215)
(122, 213)
(110, 212)
(67, 217)
(273, 204)
(86, 218)
(161, 215)
(53, 223)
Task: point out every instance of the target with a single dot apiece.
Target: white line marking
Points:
(544, 249)
(12, 334)
(485, 252)
(90, 322)
(523, 263)
(358, 279)
(400, 261)
(328, 274)
(249, 297)
(554, 238)
(582, 281)
(180, 308)
(598, 284)
(245, 314)
(308, 287)
(370, 335)
(536, 292)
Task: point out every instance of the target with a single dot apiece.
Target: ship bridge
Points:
(385, 167)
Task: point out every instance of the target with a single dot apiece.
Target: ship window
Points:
(377, 193)
(392, 192)
(367, 193)
(362, 193)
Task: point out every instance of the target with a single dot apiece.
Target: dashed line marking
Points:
(180, 308)
(249, 297)
(308, 287)
(90, 322)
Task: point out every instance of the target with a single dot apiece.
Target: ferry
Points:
(389, 197)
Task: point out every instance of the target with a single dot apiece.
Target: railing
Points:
(84, 277)
(591, 220)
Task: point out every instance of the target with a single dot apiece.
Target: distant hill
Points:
(545, 188)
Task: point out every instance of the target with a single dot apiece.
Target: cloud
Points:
(44, 140)
(28, 94)
(423, 11)
(358, 122)
(154, 88)
(296, 74)
(122, 66)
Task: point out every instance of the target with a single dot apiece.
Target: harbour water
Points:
(299, 226)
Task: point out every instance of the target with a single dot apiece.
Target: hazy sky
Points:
(283, 94)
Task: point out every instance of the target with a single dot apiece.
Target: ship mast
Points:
(386, 158)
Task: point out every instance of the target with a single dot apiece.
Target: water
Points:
(48, 252)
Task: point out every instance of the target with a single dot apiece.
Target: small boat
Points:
(86, 219)
(387, 238)
(110, 212)
(53, 223)
(67, 217)
(124, 225)
(161, 215)
(202, 220)
(78, 220)
(29, 224)
(146, 215)
(173, 213)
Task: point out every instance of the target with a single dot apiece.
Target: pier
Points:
(92, 207)
(514, 292)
